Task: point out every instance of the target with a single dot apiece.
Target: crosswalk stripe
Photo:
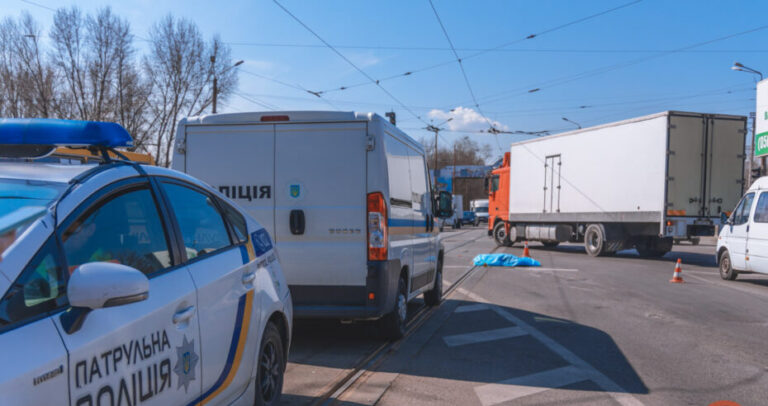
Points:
(504, 391)
(483, 336)
(471, 308)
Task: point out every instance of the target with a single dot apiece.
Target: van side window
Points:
(741, 214)
(398, 169)
(761, 210)
(419, 191)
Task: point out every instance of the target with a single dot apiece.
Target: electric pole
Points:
(436, 129)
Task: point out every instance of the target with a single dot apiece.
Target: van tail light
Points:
(377, 227)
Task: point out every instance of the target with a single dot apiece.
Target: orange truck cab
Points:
(498, 201)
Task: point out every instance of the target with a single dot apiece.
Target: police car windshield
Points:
(21, 202)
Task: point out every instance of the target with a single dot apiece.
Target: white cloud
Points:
(465, 119)
(260, 65)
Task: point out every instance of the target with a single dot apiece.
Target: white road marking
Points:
(553, 269)
(471, 308)
(483, 336)
(514, 388)
(609, 386)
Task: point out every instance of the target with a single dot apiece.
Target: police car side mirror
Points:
(101, 284)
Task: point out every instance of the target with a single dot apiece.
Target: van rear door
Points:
(320, 181)
(237, 160)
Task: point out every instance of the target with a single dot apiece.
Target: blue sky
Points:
(260, 32)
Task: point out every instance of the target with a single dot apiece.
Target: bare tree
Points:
(181, 67)
(464, 151)
(27, 78)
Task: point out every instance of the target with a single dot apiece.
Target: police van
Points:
(130, 284)
(346, 196)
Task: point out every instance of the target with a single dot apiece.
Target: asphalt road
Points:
(578, 330)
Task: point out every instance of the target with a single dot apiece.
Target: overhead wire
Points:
(485, 50)
(337, 52)
(482, 52)
(464, 72)
(605, 69)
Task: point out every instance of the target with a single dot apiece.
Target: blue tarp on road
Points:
(504, 260)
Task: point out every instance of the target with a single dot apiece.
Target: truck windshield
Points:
(21, 203)
(481, 210)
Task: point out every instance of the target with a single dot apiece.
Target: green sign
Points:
(761, 144)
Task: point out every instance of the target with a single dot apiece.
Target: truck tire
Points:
(392, 325)
(500, 235)
(594, 240)
(695, 241)
(654, 247)
(726, 268)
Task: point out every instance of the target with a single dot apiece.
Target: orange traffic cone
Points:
(526, 251)
(676, 277)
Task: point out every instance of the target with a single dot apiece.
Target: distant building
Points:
(469, 181)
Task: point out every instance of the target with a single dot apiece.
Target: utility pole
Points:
(751, 155)
(436, 129)
(215, 78)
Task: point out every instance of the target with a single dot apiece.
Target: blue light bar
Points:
(71, 133)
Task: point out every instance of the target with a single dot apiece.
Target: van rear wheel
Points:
(393, 324)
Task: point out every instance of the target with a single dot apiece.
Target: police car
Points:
(128, 284)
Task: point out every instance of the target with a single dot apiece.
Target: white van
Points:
(346, 196)
(742, 246)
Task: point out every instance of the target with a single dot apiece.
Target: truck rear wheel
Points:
(594, 240)
(500, 235)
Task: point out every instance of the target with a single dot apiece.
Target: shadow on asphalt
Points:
(484, 362)
(691, 258)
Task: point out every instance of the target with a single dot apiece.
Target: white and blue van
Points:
(346, 196)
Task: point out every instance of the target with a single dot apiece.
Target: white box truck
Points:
(480, 208)
(636, 183)
(345, 195)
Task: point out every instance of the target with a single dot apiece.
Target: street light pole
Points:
(215, 79)
(738, 66)
(573, 122)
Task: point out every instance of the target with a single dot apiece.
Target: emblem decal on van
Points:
(294, 190)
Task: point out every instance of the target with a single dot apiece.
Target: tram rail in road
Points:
(379, 354)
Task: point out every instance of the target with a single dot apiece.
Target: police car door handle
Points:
(183, 315)
(249, 277)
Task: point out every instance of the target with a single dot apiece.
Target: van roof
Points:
(253, 117)
(310, 116)
(759, 184)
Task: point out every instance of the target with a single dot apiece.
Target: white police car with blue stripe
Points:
(127, 284)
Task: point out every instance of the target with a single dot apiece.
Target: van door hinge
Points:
(371, 143)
